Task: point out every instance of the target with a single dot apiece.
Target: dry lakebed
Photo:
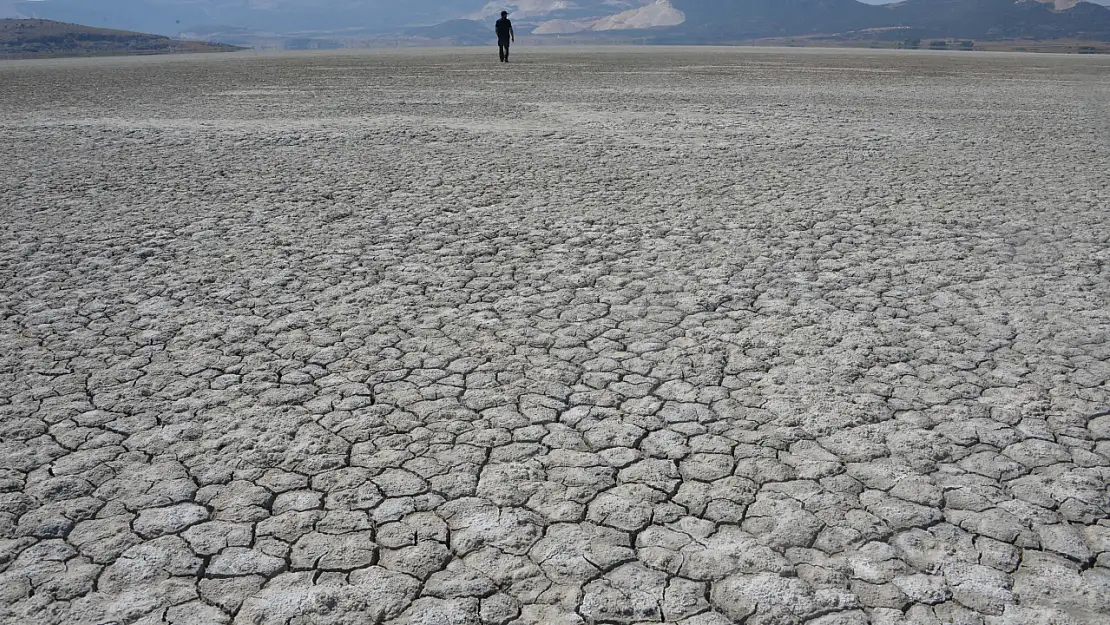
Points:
(615, 335)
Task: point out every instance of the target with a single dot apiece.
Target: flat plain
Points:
(697, 336)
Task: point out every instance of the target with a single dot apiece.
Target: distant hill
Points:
(359, 22)
(715, 21)
(730, 21)
(1001, 19)
(710, 21)
(460, 32)
(170, 17)
(31, 38)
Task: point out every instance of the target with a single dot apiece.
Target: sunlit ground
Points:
(599, 336)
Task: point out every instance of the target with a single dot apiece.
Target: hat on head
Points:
(504, 13)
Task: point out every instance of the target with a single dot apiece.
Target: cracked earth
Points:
(684, 336)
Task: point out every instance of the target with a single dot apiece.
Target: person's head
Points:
(504, 14)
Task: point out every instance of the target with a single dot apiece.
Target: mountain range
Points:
(723, 20)
(32, 38)
(669, 21)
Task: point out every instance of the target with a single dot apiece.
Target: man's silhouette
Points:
(505, 35)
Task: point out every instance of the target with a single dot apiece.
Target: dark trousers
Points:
(503, 49)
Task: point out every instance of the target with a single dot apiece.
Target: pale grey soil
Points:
(694, 336)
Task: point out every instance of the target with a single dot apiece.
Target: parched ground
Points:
(687, 335)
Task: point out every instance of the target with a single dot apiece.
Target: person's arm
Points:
(511, 33)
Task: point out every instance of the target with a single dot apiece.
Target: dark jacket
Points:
(504, 28)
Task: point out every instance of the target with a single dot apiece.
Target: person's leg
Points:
(506, 51)
(501, 51)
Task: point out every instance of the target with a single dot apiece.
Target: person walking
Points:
(505, 35)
